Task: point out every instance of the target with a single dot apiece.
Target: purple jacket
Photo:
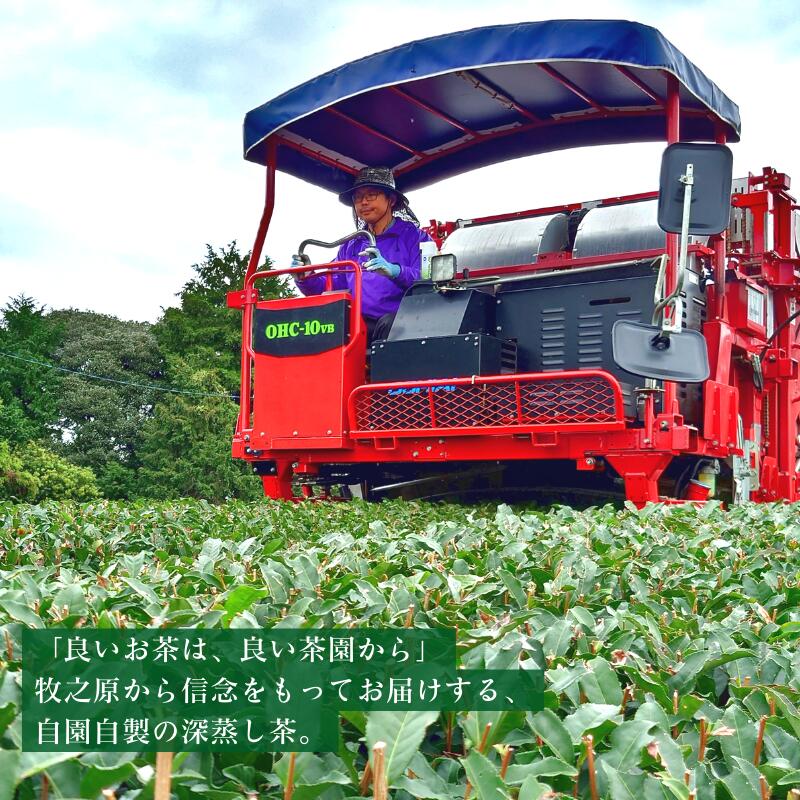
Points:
(399, 244)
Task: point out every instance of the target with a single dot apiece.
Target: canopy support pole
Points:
(673, 115)
(720, 245)
(269, 207)
(243, 421)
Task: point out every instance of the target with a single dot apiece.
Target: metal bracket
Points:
(758, 373)
(746, 467)
(673, 323)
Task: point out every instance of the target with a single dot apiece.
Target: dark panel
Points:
(564, 323)
(438, 357)
(300, 331)
(425, 312)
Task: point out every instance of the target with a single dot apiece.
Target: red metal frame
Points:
(497, 95)
(327, 271)
(285, 384)
(435, 111)
(374, 132)
(673, 136)
(573, 87)
(243, 420)
(655, 97)
(563, 207)
(485, 418)
(519, 129)
(564, 261)
(315, 154)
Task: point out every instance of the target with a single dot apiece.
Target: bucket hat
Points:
(377, 177)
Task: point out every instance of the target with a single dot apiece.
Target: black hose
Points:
(778, 330)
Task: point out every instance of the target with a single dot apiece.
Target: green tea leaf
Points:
(557, 638)
(545, 767)
(142, 589)
(627, 742)
(313, 775)
(531, 789)
(73, 598)
(742, 743)
(21, 613)
(790, 779)
(590, 716)
(98, 778)
(242, 598)
(483, 776)
(403, 732)
(601, 683)
(34, 763)
(9, 773)
(623, 785)
(551, 729)
(743, 782)
(514, 587)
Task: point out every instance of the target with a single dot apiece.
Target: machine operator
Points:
(389, 268)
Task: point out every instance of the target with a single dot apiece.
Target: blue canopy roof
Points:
(448, 104)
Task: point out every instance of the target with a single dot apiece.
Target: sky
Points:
(120, 137)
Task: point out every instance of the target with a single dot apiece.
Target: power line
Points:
(106, 379)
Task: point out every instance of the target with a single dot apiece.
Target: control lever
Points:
(317, 243)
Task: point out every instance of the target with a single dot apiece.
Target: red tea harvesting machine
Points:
(642, 346)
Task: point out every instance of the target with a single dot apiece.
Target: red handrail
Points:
(516, 378)
(251, 298)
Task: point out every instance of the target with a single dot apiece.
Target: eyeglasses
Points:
(368, 196)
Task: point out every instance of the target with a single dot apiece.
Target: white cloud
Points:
(120, 148)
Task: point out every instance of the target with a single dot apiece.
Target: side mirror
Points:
(711, 190)
(645, 350)
(694, 197)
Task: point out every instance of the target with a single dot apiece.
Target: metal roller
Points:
(509, 243)
(622, 229)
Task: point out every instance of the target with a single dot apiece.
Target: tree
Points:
(29, 389)
(57, 478)
(31, 473)
(16, 483)
(100, 419)
(186, 450)
(204, 330)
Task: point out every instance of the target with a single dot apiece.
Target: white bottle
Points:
(427, 250)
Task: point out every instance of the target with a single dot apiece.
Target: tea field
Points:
(668, 636)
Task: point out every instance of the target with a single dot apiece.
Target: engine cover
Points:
(425, 312)
(441, 357)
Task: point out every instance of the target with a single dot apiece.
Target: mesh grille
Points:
(522, 401)
(480, 406)
(568, 401)
(380, 409)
